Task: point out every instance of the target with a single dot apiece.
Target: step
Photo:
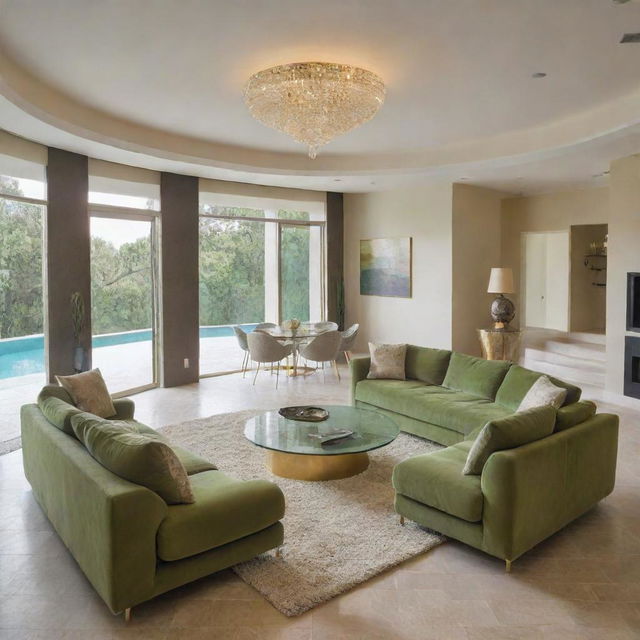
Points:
(574, 362)
(588, 336)
(583, 350)
(576, 375)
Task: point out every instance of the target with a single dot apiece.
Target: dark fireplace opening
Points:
(633, 302)
(632, 367)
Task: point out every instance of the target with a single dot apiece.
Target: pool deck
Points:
(123, 366)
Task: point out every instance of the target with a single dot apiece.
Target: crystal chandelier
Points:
(314, 102)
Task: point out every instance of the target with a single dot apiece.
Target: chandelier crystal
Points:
(313, 102)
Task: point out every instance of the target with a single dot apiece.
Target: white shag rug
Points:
(338, 533)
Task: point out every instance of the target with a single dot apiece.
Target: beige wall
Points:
(624, 256)
(476, 248)
(588, 301)
(548, 212)
(425, 214)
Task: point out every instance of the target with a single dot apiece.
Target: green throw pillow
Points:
(474, 375)
(141, 457)
(57, 411)
(508, 433)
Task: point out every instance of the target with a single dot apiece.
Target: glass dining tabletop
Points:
(371, 430)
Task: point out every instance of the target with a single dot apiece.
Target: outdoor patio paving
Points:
(123, 366)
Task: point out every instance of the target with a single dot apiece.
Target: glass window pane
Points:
(293, 215)
(294, 273)
(232, 288)
(122, 200)
(122, 301)
(22, 371)
(235, 212)
(25, 187)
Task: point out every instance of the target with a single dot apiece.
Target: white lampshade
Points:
(501, 280)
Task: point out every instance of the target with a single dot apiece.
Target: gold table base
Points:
(310, 467)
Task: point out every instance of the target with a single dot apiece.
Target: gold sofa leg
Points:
(279, 552)
(402, 520)
(127, 614)
(507, 566)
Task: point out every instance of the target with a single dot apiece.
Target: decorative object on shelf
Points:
(599, 265)
(77, 320)
(304, 413)
(502, 309)
(293, 324)
(385, 267)
(314, 102)
(500, 344)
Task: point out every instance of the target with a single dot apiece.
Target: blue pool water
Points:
(24, 356)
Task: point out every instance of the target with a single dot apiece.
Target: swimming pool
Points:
(25, 356)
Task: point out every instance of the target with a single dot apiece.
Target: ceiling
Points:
(159, 84)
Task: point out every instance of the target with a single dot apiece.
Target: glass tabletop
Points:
(370, 431)
(287, 334)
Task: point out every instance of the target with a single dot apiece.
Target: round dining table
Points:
(297, 338)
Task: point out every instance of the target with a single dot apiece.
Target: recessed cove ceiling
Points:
(161, 83)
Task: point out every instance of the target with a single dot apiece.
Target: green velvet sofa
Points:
(129, 542)
(524, 494)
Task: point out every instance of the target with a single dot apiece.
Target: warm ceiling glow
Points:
(313, 102)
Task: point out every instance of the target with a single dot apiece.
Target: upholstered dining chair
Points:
(241, 336)
(265, 325)
(264, 349)
(323, 348)
(348, 338)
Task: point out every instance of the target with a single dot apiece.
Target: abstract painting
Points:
(385, 267)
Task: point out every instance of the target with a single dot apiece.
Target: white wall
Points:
(624, 256)
(425, 214)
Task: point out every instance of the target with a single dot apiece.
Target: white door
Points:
(546, 280)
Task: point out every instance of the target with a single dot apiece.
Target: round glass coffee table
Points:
(293, 452)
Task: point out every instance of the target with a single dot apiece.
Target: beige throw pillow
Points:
(89, 392)
(543, 393)
(387, 361)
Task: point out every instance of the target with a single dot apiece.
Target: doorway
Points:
(545, 275)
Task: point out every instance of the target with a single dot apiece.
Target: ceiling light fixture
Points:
(314, 102)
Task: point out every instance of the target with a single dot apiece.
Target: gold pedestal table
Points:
(293, 451)
(498, 344)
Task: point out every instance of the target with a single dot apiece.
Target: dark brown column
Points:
(179, 289)
(335, 261)
(68, 266)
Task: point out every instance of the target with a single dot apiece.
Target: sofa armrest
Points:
(533, 491)
(359, 369)
(125, 408)
(108, 524)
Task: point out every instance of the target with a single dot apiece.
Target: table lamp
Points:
(502, 309)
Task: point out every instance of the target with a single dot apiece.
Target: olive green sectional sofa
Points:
(130, 543)
(524, 494)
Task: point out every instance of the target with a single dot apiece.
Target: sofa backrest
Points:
(519, 380)
(476, 376)
(58, 408)
(426, 364)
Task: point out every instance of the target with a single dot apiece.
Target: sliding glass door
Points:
(123, 300)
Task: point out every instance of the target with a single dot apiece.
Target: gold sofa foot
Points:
(508, 566)
(402, 520)
(279, 552)
(127, 614)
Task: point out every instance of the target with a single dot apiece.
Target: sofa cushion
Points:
(387, 361)
(89, 392)
(574, 414)
(474, 375)
(508, 433)
(436, 479)
(225, 510)
(519, 380)
(542, 393)
(57, 411)
(427, 365)
(143, 458)
(460, 412)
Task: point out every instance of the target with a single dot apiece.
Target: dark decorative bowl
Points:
(304, 413)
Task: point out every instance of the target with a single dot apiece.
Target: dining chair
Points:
(241, 336)
(265, 325)
(348, 338)
(264, 349)
(323, 348)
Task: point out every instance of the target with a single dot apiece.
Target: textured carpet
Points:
(337, 533)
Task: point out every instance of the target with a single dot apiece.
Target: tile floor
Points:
(584, 583)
